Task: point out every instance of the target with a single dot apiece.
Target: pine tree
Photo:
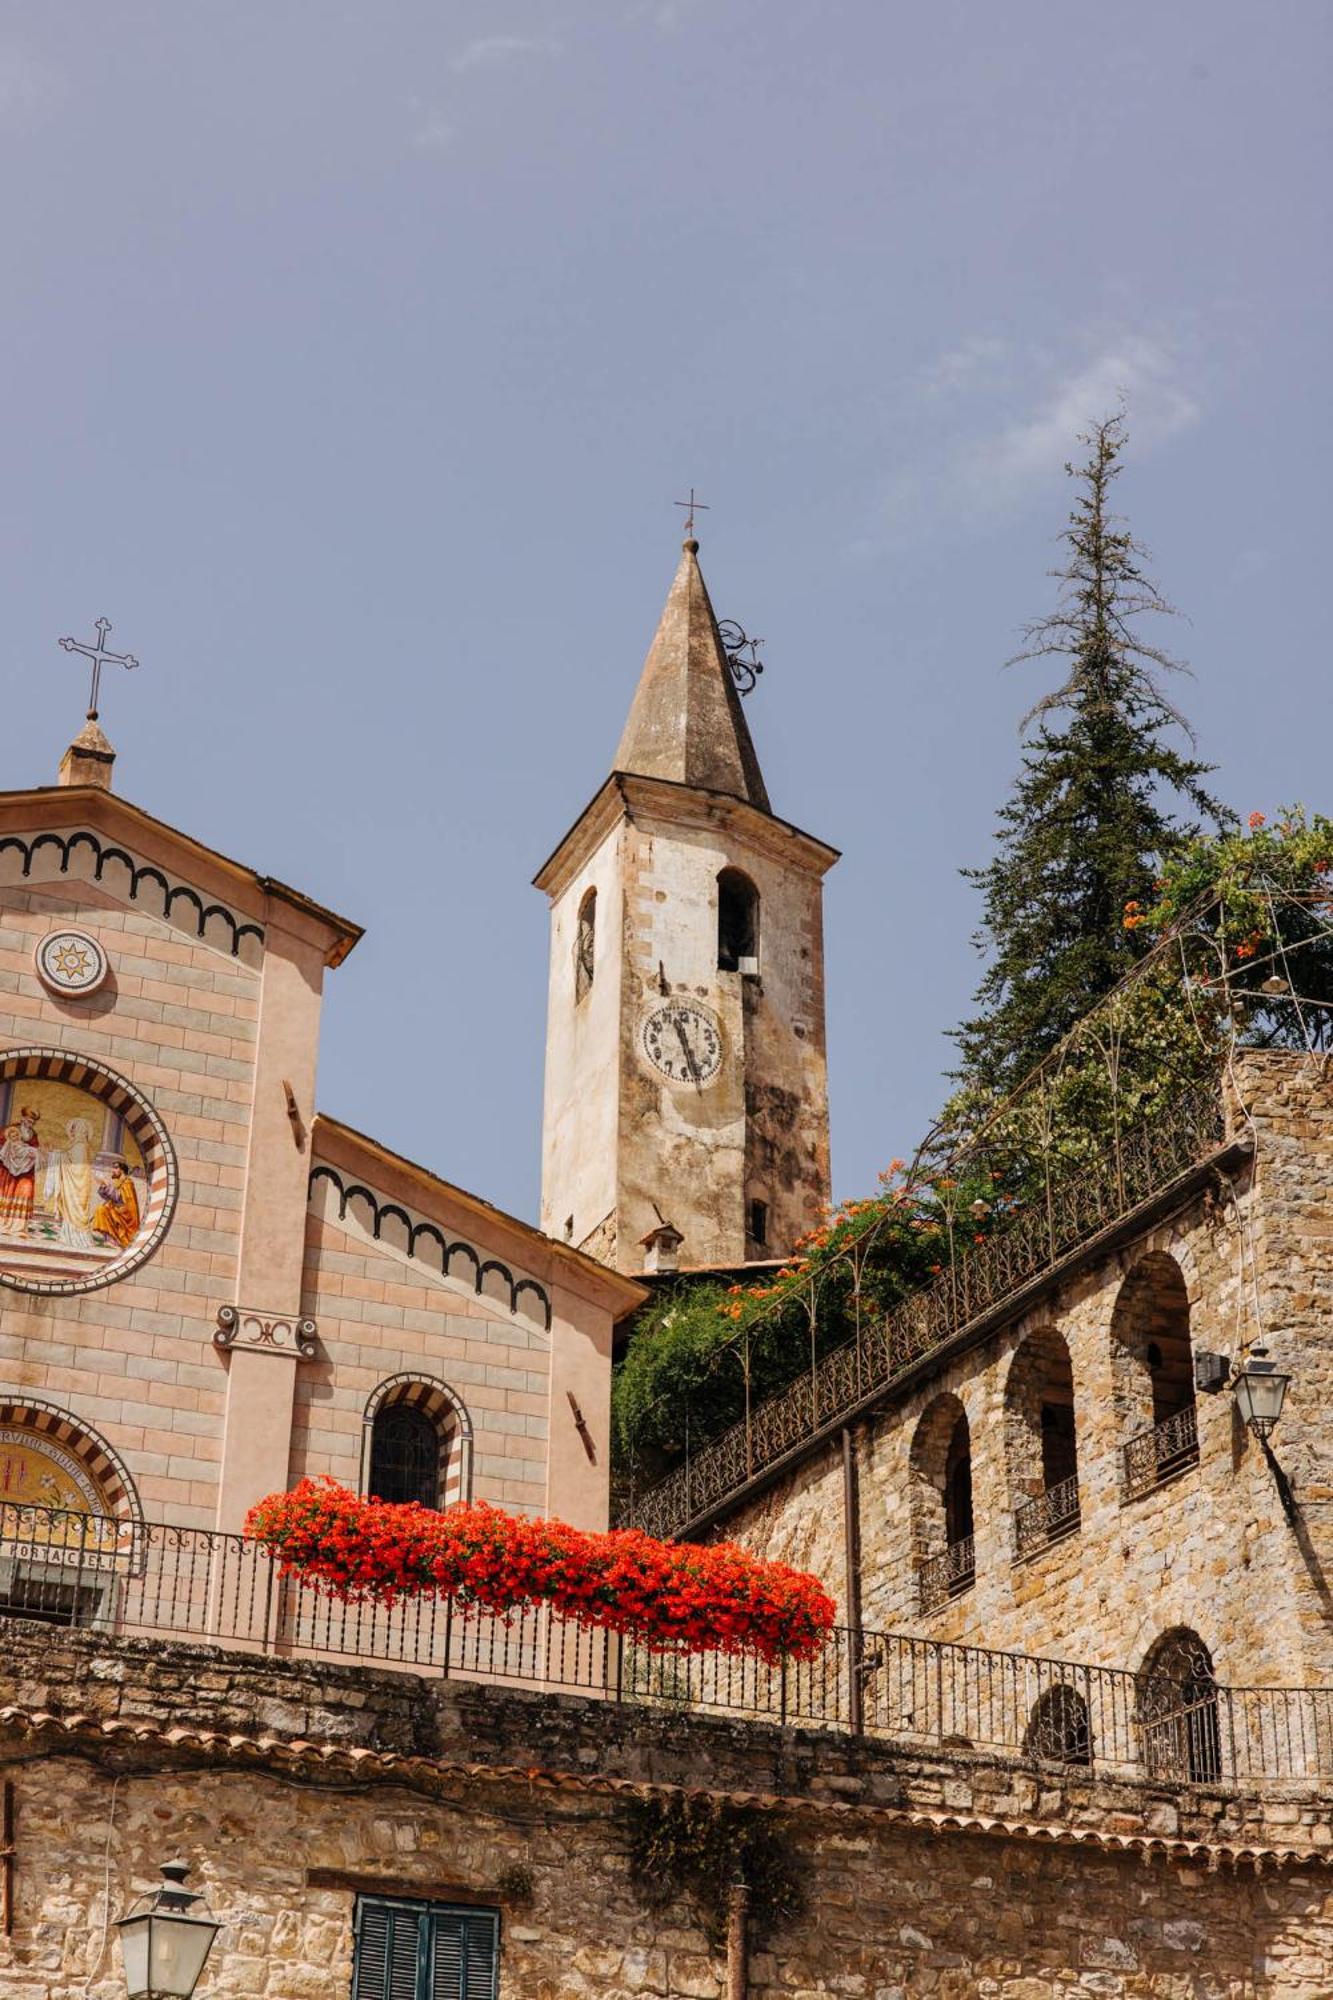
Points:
(1090, 818)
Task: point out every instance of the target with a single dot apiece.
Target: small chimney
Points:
(661, 1248)
(89, 758)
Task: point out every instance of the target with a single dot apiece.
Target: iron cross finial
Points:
(690, 506)
(100, 658)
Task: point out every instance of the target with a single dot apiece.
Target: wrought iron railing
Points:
(1047, 1517)
(948, 1574)
(147, 1580)
(1158, 1454)
(979, 1277)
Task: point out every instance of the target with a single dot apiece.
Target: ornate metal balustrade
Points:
(1179, 1725)
(979, 1277)
(1158, 1454)
(1047, 1518)
(948, 1574)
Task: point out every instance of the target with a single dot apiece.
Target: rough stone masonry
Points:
(290, 1787)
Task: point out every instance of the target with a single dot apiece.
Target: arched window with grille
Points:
(737, 922)
(404, 1456)
(940, 1463)
(1152, 1373)
(1058, 1728)
(1178, 1710)
(418, 1443)
(1040, 1441)
(585, 945)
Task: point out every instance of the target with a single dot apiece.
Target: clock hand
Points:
(689, 1052)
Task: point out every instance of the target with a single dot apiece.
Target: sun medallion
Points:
(71, 963)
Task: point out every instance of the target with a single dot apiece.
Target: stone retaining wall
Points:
(291, 1787)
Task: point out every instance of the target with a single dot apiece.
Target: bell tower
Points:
(686, 1101)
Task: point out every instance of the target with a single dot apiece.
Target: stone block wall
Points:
(1248, 1258)
(292, 1788)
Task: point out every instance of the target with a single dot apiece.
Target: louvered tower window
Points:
(424, 1951)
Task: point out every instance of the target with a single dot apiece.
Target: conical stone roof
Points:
(686, 722)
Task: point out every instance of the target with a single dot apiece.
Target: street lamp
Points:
(1261, 1390)
(163, 1946)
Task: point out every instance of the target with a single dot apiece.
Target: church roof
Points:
(686, 721)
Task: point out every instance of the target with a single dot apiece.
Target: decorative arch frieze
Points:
(420, 1239)
(82, 856)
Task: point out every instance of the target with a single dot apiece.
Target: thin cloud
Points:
(995, 423)
(489, 50)
(434, 132)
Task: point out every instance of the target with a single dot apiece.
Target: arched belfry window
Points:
(737, 922)
(585, 945)
(404, 1456)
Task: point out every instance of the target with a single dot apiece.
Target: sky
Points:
(355, 356)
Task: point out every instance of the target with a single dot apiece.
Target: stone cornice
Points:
(625, 795)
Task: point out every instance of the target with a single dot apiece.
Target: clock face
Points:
(684, 1041)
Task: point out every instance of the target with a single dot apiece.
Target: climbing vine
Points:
(697, 1849)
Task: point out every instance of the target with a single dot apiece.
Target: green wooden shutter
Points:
(463, 1965)
(390, 1941)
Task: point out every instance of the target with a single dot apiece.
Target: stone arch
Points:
(1178, 1709)
(425, 1400)
(71, 1523)
(1152, 1372)
(1058, 1728)
(940, 1484)
(1040, 1440)
(737, 920)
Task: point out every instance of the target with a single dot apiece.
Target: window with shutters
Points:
(424, 1951)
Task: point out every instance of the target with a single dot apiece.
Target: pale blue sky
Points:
(355, 353)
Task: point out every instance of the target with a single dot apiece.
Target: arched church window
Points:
(737, 922)
(1178, 1709)
(940, 1463)
(585, 945)
(404, 1456)
(1152, 1373)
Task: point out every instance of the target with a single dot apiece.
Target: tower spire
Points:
(686, 722)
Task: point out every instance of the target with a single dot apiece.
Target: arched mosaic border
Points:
(104, 1466)
(159, 1156)
(446, 1410)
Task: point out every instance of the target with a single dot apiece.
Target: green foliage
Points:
(698, 1848)
(1268, 891)
(684, 1375)
(1086, 830)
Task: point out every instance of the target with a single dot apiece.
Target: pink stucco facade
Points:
(337, 1268)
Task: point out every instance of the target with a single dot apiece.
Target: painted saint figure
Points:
(117, 1216)
(69, 1185)
(18, 1173)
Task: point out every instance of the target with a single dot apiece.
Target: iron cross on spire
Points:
(100, 658)
(690, 506)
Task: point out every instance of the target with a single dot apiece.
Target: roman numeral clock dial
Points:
(684, 1042)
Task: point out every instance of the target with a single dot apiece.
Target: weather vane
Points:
(100, 658)
(690, 506)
